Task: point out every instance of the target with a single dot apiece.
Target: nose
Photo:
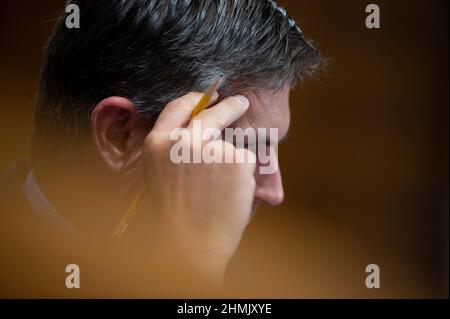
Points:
(269, 187)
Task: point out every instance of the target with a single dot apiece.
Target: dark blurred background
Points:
(365, 165)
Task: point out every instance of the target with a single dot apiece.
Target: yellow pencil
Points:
(207, 96)
(137, 201)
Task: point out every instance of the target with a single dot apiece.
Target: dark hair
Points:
(153, 51)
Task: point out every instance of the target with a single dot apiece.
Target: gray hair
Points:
(153, 51)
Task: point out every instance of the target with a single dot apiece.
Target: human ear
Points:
(117, 130)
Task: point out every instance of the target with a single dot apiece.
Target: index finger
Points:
(223, 114)
(177, 113)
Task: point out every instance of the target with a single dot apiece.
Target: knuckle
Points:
(212, 119)
(184, 103)
(194, 96)
(175, 104)
(234, 105)
(154, 142)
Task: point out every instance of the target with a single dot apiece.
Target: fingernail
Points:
(242, 100)
(214, 96)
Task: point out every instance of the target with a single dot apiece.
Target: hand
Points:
(203, 208)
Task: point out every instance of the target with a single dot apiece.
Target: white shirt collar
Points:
(42, 206)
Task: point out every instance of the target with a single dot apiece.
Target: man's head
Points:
(130, 58)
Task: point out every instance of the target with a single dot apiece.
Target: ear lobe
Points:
(114, 126)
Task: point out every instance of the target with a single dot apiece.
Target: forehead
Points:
(267, 110)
